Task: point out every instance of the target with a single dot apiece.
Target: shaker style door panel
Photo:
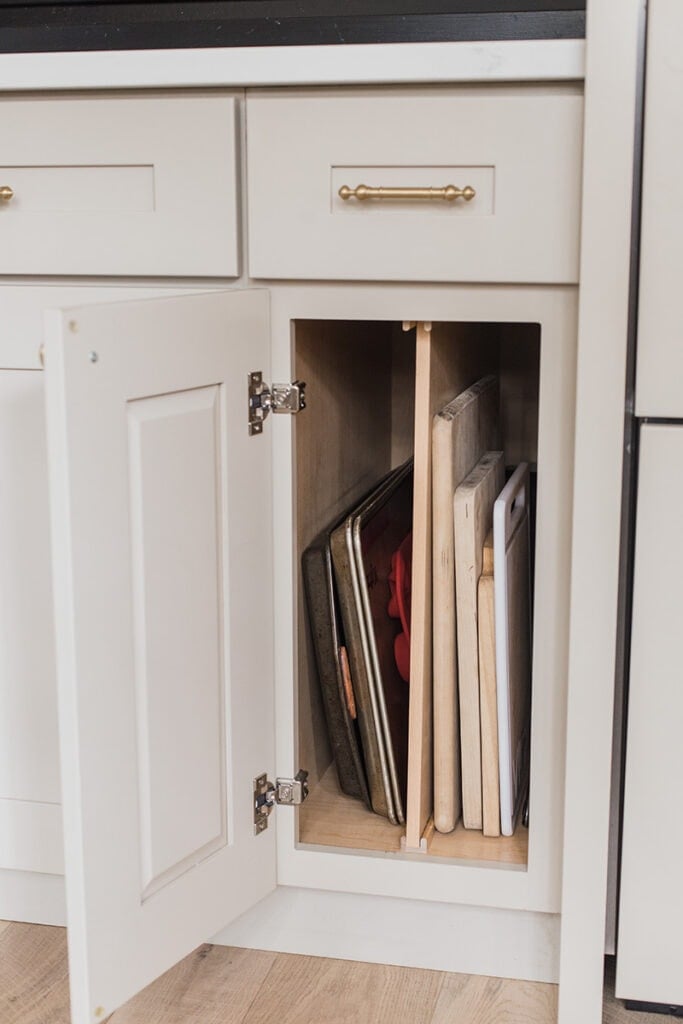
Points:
(161, 530)
(30, 796)
(119, 185)
(649, 951)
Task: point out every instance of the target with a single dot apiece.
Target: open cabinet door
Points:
(161, 530)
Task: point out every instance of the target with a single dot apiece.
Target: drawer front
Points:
(649, 952)
(660, 331)
(136, 185)
(519, 148)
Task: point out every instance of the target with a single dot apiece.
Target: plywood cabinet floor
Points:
(222, 985)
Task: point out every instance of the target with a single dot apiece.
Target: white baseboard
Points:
(32, 897)
(405, 933)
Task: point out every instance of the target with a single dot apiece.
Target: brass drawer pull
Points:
(6, 193)
(448, 192)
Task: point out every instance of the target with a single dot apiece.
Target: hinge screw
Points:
(93, 357)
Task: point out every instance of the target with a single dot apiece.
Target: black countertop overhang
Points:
(122, 25)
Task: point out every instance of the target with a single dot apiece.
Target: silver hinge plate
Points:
(284, 791)
(278, 398)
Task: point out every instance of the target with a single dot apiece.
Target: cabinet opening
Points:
(410, 435)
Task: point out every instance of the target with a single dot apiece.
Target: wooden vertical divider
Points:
(449, 358)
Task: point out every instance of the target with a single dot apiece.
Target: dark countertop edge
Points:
(72, 30)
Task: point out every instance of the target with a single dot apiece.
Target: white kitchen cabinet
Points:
(31, 837)
(660, 353)
(134, 395)
(649, 953)
(155, 485)
(30, 791)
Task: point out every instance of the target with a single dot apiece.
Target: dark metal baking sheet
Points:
(376, 533)
(327, 639)
(357, 645)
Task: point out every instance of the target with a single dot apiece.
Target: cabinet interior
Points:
(359, 423)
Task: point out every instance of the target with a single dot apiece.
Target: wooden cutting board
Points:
(461, 432)
(513, 639)
(473, 517)
(488, 706)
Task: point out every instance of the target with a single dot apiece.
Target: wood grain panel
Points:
(473, 518)
(462, 431)
(520, 385)
(343, 446)
(329, 818)
(473, 1000)
(444, 367)
(214, 985)
(336, 992)
(223, 985)
(34, 979)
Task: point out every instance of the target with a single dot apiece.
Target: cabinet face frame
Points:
(614, 75)
(538, 887)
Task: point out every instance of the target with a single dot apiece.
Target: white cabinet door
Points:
(660, 352)
(30, 812)
(649, 951)
(161, 529)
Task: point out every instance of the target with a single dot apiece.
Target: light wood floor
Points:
(221, 985)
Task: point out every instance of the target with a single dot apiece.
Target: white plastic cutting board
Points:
(513, 639)
(161, 510)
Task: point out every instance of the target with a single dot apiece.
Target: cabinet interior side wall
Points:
(519, 373)
(357, 425)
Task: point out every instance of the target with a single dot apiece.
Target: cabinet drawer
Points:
(519, 148)
(133, 185)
